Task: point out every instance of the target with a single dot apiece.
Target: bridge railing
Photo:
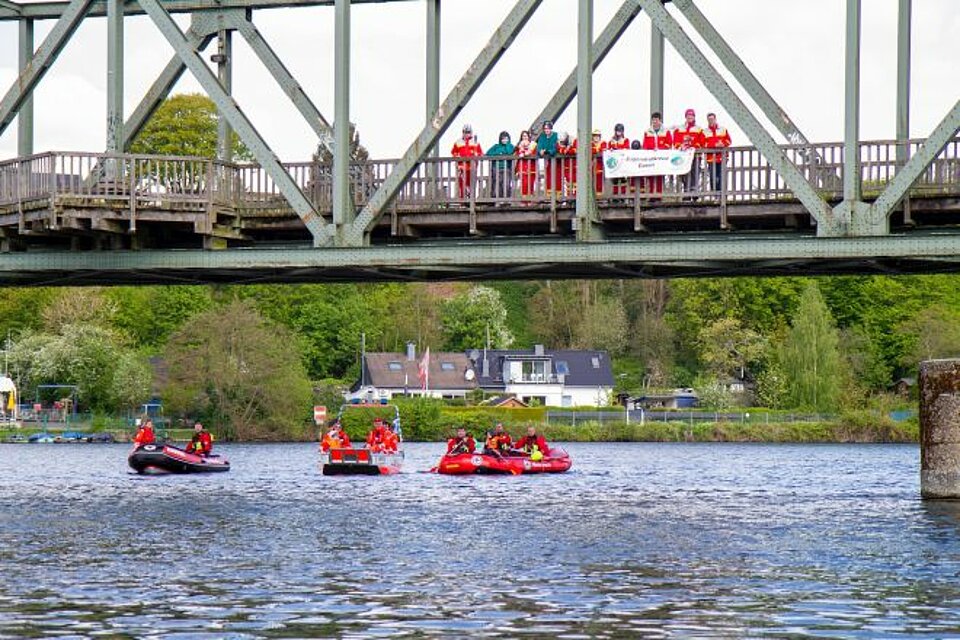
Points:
(184, 183)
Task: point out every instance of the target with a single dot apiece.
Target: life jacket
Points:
(335, 439)
(144, 436)
(618, 144)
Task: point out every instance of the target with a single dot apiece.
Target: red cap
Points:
(689, 112)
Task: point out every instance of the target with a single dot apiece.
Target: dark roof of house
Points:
(580, 364)
(396, 371)
(499, 401)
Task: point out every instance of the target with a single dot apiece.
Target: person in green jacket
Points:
(501, 171)
(547, 149)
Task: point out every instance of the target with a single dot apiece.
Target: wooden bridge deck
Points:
(94, 201)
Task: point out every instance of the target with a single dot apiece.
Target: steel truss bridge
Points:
(796, 208)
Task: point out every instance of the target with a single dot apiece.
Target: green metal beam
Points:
(25, 117)
(741, 73)
(904, 33)
(291, 88)
(851, 139)
(46, 55)
(588, 226)
(98, 8)
(343, 212)
(732, 252)
(826, 223)
(114, 76)
(225, 78)
(908, 175)
(229, 110)
(657, 56)
(601, 47)
(450, 109)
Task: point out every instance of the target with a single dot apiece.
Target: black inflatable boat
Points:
(156, 458)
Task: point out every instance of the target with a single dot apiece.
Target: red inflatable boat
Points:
(465, 463)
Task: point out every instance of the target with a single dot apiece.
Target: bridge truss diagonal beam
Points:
(910, 173)
(714, 82)
(22, 87)
(741, 73)
(162, 86)
(601, 47)
(504, 36)
(237, 119)
(291, 88)
(10, 7)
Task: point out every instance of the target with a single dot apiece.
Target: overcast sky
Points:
(794, 48)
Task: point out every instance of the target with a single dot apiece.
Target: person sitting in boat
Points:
(201, 443)
(390, 441)
(498, 441)
(462, 443)
(533, 444)
(144, 435)
(381, 439)
(335, 438)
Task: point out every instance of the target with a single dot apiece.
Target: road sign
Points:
(319, 414)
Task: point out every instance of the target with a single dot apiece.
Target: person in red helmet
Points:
(715, 137)
(201, 443)
(465, 147)
(690, 136)
(656, 138)
(461, 443)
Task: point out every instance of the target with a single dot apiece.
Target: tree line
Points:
(249, 358)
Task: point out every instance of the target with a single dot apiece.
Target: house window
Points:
(596, 362)
(395, 366)
(533, 371)
(566, 401)
(562, 367)
(447, 366)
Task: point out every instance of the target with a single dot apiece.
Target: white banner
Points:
(627, 163)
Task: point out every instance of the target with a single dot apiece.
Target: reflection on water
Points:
(653, 540)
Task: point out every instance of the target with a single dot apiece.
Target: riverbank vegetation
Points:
(244, 359)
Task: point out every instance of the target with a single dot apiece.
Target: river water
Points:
(651, 540)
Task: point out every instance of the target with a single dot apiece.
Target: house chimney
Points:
(538, 349)
(411, 351)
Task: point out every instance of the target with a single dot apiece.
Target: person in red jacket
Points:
(145, 435)
(715, 137)
(202, 442)
(533, 444)
(597, 147)
(619, 141)
(567, 151)
(335, 438)
(462, 443)
(690, 136)
(465, 147)
(498, 441)
(656, 138)
(526, 165)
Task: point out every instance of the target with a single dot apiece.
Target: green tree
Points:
(149, 315)
(109, 376)
(810, 355)
(185, 125)
(241, 372)
(727, 348)
(468, 318)
(934, 332)
(602, 325)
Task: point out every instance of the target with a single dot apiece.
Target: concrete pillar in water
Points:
(940, 429)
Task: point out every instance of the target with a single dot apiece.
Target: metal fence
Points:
(690, 416)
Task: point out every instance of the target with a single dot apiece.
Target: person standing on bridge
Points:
(715, 137)
(567, 151)
(690, 137)
(501, 170)
(547, 149)
(526, 165)
(597, 147)
(656, 138)
(465, 147)
(617, 142)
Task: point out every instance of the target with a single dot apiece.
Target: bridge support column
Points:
(587, 224)
(851, 140)
(940, 429)
(114, 142)
(343, 212)
(25, 117)
(224, 60)
(656, 69)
